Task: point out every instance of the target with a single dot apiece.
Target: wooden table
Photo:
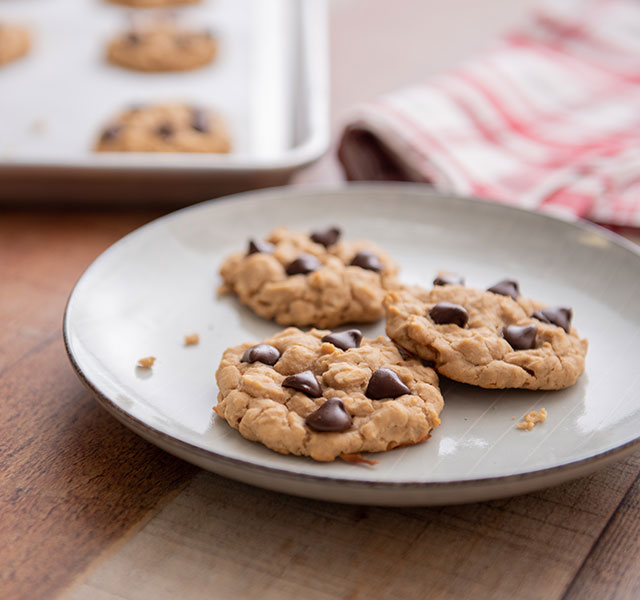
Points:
(89, 510)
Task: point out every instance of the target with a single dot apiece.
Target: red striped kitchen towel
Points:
(547, 118)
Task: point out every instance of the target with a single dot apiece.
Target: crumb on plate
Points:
(191, 340)
(531, 419)
(147, 362)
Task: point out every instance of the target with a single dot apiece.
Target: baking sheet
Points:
(55, 101)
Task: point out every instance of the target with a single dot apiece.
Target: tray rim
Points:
(312, 20)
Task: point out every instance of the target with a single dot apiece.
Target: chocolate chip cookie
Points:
(162, 47)
(310, 278)
(14, 42)
(492, 339)
(325, 395)
(165, 128)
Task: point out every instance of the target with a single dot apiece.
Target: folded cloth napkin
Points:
(548, 118)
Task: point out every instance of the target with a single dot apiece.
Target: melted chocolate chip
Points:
(305, 382)
(344, 340)
(263, 353)
(365, 259)
(448, 279)
(555, 315)
(520, 337)
(133, 38)
(506, 287)
(326, 237)
(259, 246)
(305, 263)
(199, 121)
(111, 133)
(385, 383)
(165, 130)
(331, 416)
(445, 313)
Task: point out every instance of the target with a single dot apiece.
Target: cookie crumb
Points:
(357, 458)
(147, 362)
(531, 419)
(191, 340)
(38, 127)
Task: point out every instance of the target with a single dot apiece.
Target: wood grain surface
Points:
(73, 480)
(90, 511)
(224, 539)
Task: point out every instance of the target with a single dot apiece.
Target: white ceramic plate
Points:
(157, 284)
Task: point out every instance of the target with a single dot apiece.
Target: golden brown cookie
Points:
(165, 128)
(162, 46)
(492, 339)
(298, 394)
(15, 42)
(310, 279)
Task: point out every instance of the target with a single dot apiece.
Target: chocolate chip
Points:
(260, 246)
(385, 383)
(263, 353)
(111, 132)
(199, 121)
(305, 382)
(184, 40)
(506, 287)
(520, 337)
(555, 315)
(448, 279)
(445, 313)
(326, 237)
(344, 340)
(365, 259)
(331, 416)
(305, 263)
(165, 130)
(133, 38)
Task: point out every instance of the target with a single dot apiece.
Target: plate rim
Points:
(135, 424)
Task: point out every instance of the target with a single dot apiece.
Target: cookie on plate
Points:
(15, 42)
(153, 3)
(492, 339)
(325, 395)
(162, 46)
(310, 279)
(165, 128)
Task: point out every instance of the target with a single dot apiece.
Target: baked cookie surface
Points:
(295, 280)
(162, 47)
(15, 42)
(299, 395)
(165, 128)
(487, 339)
(153, 3)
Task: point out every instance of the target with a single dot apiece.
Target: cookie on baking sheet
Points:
(323, 394)
(492, 339)
(165, 128)
(153, 3)
(15, 42)
(162, 46)
(310, 278)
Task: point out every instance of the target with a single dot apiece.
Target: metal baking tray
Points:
(269, 81)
